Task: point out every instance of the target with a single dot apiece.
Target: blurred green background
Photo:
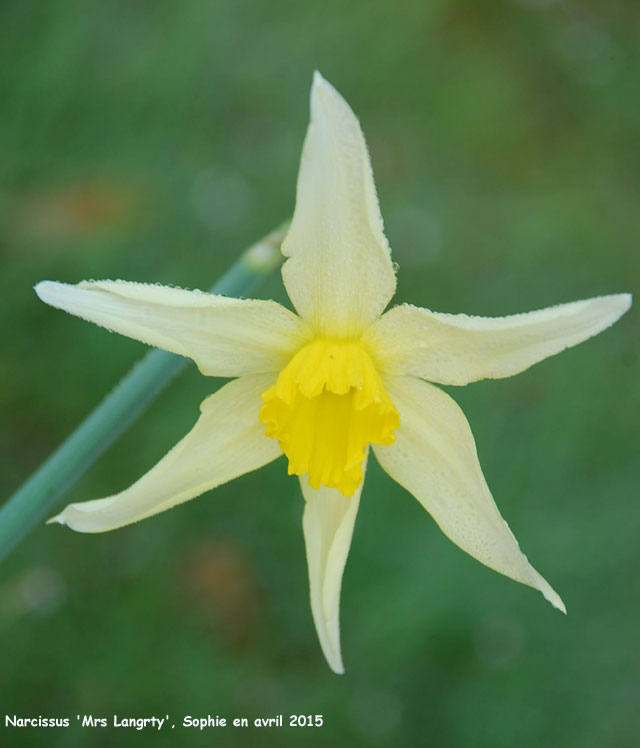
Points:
(153, 141)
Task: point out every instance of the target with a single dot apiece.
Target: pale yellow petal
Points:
(328, 523)
(225, 337)
(434, 457)
(458, 349)
(339, 274)
(227, 441)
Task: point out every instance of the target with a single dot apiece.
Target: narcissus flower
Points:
(338, 377)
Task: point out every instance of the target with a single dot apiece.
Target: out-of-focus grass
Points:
(152, 141)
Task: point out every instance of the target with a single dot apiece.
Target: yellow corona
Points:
(326, 407)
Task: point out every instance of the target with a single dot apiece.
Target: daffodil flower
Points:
(338, 377)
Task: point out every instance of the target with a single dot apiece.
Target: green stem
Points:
(31, 502)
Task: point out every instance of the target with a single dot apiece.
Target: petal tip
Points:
(334, 660)
(57, 520)
(557, 603)
(626, 299)
(326, 100)
(618, 304)
(46, 290)
(548, 592)
(318, 80)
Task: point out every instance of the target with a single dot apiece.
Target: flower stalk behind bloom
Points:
(128, 399)
(336, 380)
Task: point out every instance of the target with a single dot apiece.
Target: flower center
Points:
(326, 407)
